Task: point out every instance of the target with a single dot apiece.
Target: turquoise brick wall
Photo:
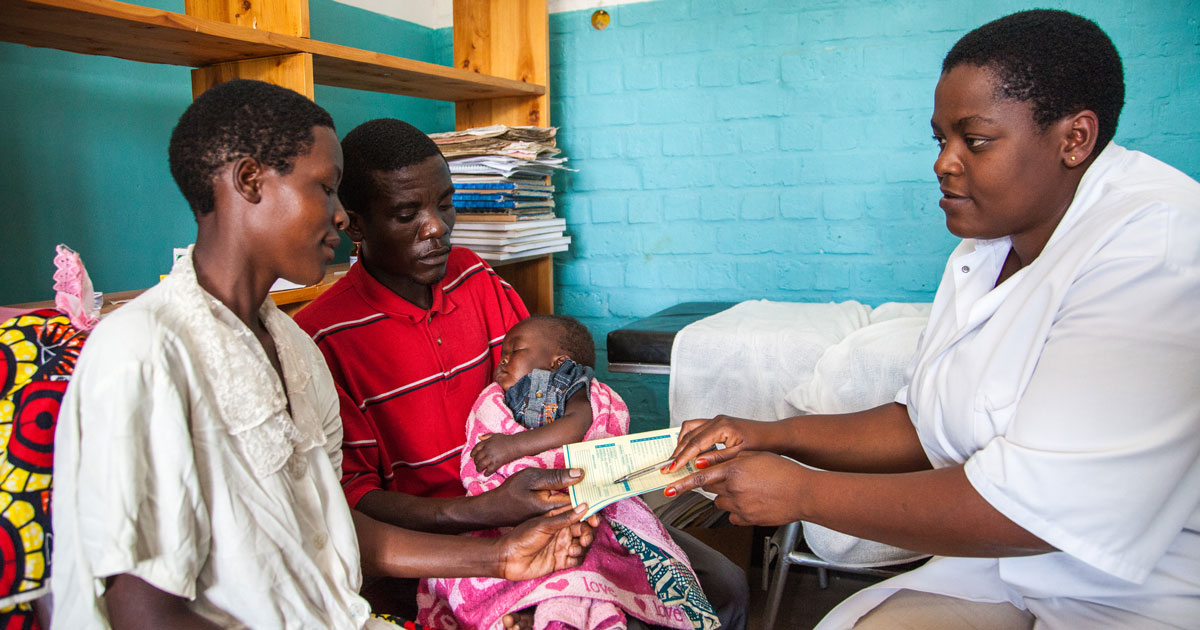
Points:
(84, 141)
(730, 150)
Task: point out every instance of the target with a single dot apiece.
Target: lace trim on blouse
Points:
(250, 400)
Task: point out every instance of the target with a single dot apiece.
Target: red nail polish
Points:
(670, 491)
(701, 463)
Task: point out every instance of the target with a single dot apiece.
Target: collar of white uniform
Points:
(252, 402)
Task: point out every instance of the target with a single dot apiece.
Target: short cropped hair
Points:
(575, 340)
(236, 119)
(1059, 62)
(383, 144)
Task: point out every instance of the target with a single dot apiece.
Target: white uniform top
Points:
(177, 461)
(1072, 393)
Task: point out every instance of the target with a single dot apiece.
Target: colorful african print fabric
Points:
(674, 583)
(37, 355)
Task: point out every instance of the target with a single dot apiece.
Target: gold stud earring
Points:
(1072, 158)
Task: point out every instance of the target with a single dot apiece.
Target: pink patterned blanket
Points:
(609, 584)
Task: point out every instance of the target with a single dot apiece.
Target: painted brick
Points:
(760, 276)
(796, 276)
(681, 207)
(643, 143)
(571, 275)
(717, 275)
(800, 203)
(842, 203)
(755, 238)
(680, 72)
(573, 208)
(674, 39)
(798, 68)
(758, 136)
(682, 238)
(581, 302)
(659, 107)
(717, 206)
(832, 277)
(677, 174)
(709, 8)
(759, 204)
(885, 202)
(759, 69)
(603, 111)
(850, 239)
(640, 75)
(923, 278)
(604, 78)
(749, 6)
(761, 171)
(912, 166)
(639, 13)
(798, 134)
(846, 168)
(643, 208)
(679, 141)
(605, 175)
(658, 273)
(780, 30)
(606, 240)
(606, 273)
(753, 102)
(608, 209)
(720, 139)
(719, 72)
(639, 302)
(600, 144)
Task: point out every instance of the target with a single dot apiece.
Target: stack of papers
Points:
(500, 241)
(502, 190)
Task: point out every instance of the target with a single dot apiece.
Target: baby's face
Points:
(528, 346)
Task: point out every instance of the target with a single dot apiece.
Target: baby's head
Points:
(543, 342)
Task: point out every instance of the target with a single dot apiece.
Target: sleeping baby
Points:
(544, 396)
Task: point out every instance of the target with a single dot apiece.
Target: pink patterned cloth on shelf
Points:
(609, 584)
(73, 289)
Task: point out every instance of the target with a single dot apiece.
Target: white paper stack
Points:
(500, 241)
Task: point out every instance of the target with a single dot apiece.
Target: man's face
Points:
(405, 231)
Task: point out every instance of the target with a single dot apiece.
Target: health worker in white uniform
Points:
(1047, 447)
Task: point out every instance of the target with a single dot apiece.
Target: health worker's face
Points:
(1000, 174)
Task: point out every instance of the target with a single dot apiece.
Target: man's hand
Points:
(545, 544)
(528, 493)
(493, 451)
(757, 488)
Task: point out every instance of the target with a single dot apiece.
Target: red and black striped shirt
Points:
(407, 377)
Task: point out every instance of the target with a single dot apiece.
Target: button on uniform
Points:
(320, 539)
(966, 269)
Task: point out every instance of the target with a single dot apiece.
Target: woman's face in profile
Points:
(1000, 174)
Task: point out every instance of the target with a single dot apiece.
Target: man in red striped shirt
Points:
(412, 335)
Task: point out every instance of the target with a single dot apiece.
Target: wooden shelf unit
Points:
(501, 55)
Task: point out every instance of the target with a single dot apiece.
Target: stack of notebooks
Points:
(503, 194)
(497, 241)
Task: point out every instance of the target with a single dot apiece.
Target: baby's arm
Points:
(496, 449)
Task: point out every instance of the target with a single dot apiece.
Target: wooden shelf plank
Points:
(137, 33)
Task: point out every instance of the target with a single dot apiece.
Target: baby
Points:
(545, 371)
(544, 396)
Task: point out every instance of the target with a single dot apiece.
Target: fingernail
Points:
(665, 469)
(670, 491)
(581, 508)
(575, 472)
(701, 463)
